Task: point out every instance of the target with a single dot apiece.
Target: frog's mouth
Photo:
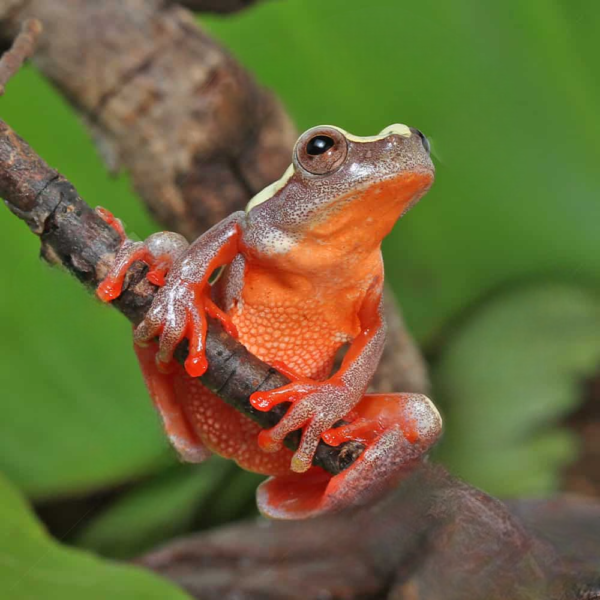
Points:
(371, 210)
(270, 190)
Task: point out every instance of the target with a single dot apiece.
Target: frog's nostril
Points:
(424, 140)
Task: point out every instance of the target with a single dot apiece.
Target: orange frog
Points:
(302, 276)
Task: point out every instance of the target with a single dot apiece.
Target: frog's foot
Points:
(179, 310)
(158, 252)
(315, 408)
(397, 430)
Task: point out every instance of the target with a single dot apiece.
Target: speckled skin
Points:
(303, 276)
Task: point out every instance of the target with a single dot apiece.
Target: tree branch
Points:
(74, 236)
(433, 538)
(20, 51)
(164, 101)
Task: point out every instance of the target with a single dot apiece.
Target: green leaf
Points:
(507, 376)
(155, 511)
(32, 565)
(75, 413)
(508, 93)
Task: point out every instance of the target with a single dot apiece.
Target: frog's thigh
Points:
(226, 431)
(162, 391)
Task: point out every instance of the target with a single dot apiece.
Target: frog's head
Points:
(342, 189)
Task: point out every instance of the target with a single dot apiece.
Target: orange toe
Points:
(109, 289)
(262, 401)
(196, 365)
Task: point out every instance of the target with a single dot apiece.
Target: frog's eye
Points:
(321, 150)
(424, 140)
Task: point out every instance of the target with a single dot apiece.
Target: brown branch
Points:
(20, 51)
(74, 236)
(433, 538)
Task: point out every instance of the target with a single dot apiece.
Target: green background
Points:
(497, 269)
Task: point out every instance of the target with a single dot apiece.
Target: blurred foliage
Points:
(507, 376)
(75, 411)
(507, 93)
(32, 565)
(155, 511)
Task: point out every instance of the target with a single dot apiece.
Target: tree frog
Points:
(300, 277)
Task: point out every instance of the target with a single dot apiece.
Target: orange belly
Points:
(278, 324)
(292, 337)
(296, 336)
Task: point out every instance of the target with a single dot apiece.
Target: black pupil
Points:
(319, 144)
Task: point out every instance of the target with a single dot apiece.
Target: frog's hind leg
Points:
(226, 431)
(397, 431)
(162, 391)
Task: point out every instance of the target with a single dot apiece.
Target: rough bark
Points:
(435, 538)
(74, 236)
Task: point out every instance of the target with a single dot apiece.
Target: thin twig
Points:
(75, 237)
(22, 48)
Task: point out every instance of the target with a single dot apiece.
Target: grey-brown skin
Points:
(324, 220)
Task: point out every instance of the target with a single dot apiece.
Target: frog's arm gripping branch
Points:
(76, 237)
(348, 385)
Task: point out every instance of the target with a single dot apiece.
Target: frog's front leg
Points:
(180, 306)
(317, 406)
